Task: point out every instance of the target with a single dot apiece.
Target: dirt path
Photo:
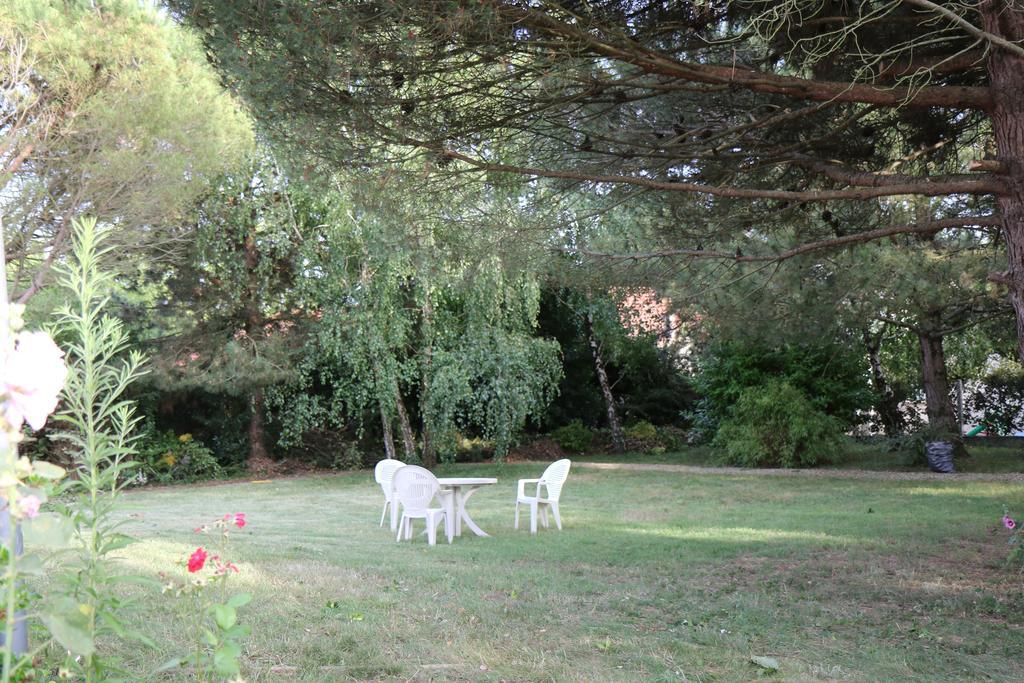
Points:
(833, 473)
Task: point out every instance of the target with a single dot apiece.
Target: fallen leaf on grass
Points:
(769, 663)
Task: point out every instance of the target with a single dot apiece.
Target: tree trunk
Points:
(888, 406)
(936, 390)
(1005, 18)
(408, 440)
(429, 448)
(389, 437)
(606, 389)
(258, 459)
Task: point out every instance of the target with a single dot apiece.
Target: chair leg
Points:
(431, 531)
(516, 525)
(408, 528)
(558, 517)
(448, 532)
(533, 517)
(394, 515)
(401, 528)
(544, 515)
(384, 512)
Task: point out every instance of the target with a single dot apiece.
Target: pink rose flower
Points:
(1008, 522)
(240, 519)
(197, 560)
(29, 506)
(33, 376)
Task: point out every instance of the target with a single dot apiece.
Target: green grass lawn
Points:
(656, 577)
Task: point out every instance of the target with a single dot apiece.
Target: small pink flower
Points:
(240, 520)
(1008, 522)
(29, 506)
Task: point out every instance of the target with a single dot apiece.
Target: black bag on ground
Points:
(940, 456)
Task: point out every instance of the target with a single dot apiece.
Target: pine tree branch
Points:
(921, 186)
(820, 245)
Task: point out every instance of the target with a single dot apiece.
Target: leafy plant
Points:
(99, 426)
(999, 398)
(348, 457)
(775, 425)
(215, 626)
(574, 437)
(168, 457)
(642, 431)
(830, 377)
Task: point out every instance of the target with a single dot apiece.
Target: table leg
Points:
(463, 516)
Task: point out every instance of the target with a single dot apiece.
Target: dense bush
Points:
(830, 376)
(574, 437)
(642, 431)
(165, 457)
(776, 425)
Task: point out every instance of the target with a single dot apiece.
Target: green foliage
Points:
(831, 376)
(574, 437)
(166, 457)
(776, 425)
(436, 325)
(999, 398)
(123, 117)
(348, 457)
(99, 426)
(648, 382)
(215, 628)
(642, 431)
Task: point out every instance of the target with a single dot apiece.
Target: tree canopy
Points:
(756, 131)
(107, 109)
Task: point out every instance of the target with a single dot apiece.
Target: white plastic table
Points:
(462, 488)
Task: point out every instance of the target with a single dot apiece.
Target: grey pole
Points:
(13, 540)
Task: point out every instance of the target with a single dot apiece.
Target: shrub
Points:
(166, 457)
(672, 438)
(574, 437)
(775, 425)
(349, 457)
(830, 376)
(642, 431)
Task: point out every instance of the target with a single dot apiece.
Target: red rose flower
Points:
(240, 519)
(197, 560)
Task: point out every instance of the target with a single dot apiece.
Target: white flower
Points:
(32, 377)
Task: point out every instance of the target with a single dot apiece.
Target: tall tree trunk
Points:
(888, 406)
(408, 439)
(389, 437)
(258, 459)
(1005, 18)
(941, 416)
(606, 388)
(429, 448)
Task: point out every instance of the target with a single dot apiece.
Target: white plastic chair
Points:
(552, 480)
(415, 488)
(384, 473)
